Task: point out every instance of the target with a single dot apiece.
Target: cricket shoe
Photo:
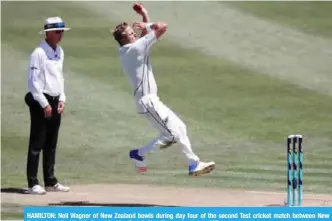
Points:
(139, 161)
(37, 190)
(201, 168)
(57, 188)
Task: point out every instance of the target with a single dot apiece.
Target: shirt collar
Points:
(124, 48)
(51, 54)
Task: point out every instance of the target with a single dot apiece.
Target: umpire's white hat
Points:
(54, 24)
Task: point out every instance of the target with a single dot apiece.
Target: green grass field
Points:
(236, 115)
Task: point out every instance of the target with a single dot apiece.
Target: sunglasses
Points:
(59, 31)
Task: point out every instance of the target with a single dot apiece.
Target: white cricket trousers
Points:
(171, 128)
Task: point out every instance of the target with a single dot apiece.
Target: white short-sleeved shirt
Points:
(45, 73)
(135, 60)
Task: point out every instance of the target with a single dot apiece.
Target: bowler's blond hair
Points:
(118, 32)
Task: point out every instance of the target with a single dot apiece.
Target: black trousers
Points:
(43, 137)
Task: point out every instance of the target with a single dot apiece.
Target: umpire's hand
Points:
(48, 111)
(61, 107)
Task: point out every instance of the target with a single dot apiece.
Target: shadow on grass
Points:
(86, 203)
(14, 190)
(276, 205)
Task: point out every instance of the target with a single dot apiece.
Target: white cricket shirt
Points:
(135, 59)
(45, 73)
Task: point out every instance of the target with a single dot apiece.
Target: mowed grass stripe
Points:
(313, 165)
(11, 211)
(268, 178)
(282, 103)
(260, 183)
(257, 169)
(268, 48)
(121, 12)
(311, 17)
(97, 142)
(232, 108)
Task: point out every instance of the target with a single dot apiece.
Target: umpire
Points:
(46, 101)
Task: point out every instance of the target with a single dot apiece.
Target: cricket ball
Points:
(137, 7)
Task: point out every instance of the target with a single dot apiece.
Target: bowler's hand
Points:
(61, 107)
(143, 11)
(139, 25)
(139, 8)
(48, 111)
